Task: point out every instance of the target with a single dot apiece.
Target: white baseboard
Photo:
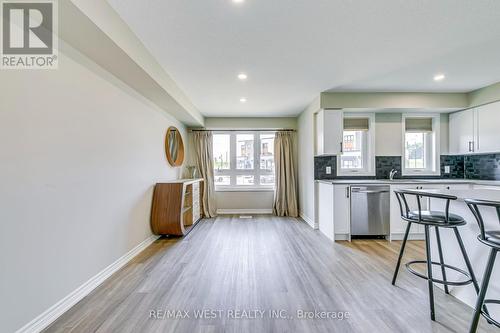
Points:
(308, 220)
(58, 309)
(342, 237)
(243, 211)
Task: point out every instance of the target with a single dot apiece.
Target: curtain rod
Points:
(242, 130)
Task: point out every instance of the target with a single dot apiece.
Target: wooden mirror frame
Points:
(180, 153)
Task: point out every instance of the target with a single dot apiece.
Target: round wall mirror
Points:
(174, 147)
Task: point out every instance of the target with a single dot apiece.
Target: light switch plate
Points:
(446, 169)
(328, 170)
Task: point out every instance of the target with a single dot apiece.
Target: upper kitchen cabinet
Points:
(461, 132)
(475, 130)
(329, 128)
(488, 126)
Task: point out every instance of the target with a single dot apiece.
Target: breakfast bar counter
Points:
(477, 252)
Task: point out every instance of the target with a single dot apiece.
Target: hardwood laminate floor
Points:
(237, 268)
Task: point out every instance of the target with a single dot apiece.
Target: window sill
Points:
(354, 173)
(243, 189)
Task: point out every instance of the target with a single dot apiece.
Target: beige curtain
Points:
(203, 148)
(285, 195)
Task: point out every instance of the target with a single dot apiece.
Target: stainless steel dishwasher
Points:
(370, 210)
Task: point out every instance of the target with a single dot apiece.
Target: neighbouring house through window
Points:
(357, 145)
(243, 159)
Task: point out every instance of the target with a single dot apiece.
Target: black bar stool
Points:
(438, 220)
(490, 238)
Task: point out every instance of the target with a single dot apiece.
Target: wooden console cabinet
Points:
(177, 206)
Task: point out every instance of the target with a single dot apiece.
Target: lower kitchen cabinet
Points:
(398, 225)
(326, 209)
(341, 211)
(334, 209)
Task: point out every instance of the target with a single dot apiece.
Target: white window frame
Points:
(432, 147)
(368, 152)
(233, 172)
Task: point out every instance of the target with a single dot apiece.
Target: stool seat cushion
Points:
(493, 237)
(435, 217)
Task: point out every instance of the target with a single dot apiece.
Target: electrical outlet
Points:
(328, 170)
(446, 169)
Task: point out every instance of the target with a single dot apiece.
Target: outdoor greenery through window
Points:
(415, 150)
(243, 159)
(421, 135)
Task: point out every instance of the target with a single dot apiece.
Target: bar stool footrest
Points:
(487, 316)
(448, 283)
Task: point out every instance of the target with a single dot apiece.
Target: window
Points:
(415, 150)
(244, 160)
(354, 144)
(357, 145)
(421, 145)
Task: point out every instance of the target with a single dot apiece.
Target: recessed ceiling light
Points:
(439, 77)
(243, 100)
(238, 1)
(242, 76)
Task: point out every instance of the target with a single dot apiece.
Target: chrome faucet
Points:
(392, 174)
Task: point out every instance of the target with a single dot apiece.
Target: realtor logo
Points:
(28, 40)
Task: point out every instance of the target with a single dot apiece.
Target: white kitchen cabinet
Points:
(475, 130)
(453, 187)
(329, 130)
(342, 209)
(326, 210)
(398, 225)
(461, 132)
(488, 125)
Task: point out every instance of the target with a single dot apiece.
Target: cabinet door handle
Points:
(347, 192)
(470, 149)
(341, 147)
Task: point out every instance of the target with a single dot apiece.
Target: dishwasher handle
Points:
(359, 190)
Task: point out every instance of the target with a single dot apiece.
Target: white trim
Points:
(233, 172)
(342, 237)
(242, 188)
(55, 311)
(222, 211)
(369, 151)
(435, 168)
(308, 220)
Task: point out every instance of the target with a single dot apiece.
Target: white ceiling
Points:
(294, 49)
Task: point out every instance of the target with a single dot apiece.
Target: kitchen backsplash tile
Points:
(384, 165)
(320, 164)
(456, 164)
(483, 166)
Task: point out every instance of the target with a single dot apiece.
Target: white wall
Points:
(305, 129)
(388, 129)
(388, 134)
(244, 201)
(79, 155)
(247, 201)
(255, 123)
